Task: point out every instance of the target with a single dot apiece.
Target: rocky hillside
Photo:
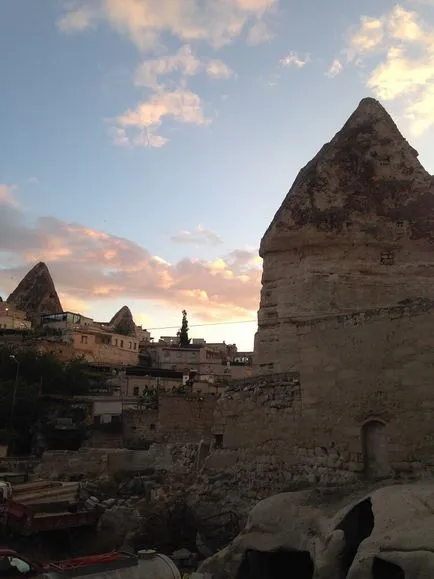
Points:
(122, 322)
(36, 294)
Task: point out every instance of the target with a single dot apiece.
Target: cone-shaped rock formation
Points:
(36, 294)
(123, 323)
(355, 232)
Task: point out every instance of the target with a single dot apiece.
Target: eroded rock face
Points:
(355, 232)
(36, 294)
(123, 323)
(401, 540)
(282, 535)
(388, 534)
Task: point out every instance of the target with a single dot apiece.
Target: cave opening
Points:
(357, 525)
(276, 564)
(382, 569)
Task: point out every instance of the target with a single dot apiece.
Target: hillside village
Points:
(326, 437)
(126, 365)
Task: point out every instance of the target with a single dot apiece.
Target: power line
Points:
(202, 325)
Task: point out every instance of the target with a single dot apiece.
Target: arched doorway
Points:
(374, 446)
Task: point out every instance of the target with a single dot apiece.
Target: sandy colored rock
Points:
(283, 522)
(36, 294)
(123, 323)
(388, 533)
(402, 534)
(355, 232)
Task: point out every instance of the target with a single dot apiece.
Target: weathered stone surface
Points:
(123, 323)
(388, 529)
(36, 294)
(402, 535)
(354, 233)
(282, 522)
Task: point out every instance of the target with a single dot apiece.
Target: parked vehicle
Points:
(35, 507)
(114, 565)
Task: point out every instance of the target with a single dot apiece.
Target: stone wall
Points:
(179, 419)
(171, 465)
(361, 403)
(140, 427)
(186, 418)
(101, 438)
(87, 463)
(20, 465)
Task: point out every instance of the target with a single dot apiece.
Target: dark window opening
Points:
(135, 391)
(152, 427)
(357, 525)
(219, 440)
(382, 569)
(387, 258)
(276, 565)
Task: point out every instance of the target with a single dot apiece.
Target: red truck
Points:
(114, 565)
(30, 508)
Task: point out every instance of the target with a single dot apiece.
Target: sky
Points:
(146, 145)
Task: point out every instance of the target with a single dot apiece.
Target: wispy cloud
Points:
(259, 33)
(145, 21)
(198, 236)
(335, 68)
(294, 59)
(7, 197)
(137, 127)
(90, 266)
(33, 181)
(152, 72)
(77, 19)
(215, 68)
(148, 24)
(405, 74)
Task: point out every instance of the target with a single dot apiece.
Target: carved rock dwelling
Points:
(344, 352)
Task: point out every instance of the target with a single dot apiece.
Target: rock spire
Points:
(36, 294)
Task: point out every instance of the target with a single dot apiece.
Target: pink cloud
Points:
(7, 195)
(89, 266)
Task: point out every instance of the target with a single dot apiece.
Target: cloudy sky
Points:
(146, 144)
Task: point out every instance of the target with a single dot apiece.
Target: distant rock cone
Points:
(36, 294)
(123, 323)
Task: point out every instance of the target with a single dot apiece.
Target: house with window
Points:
(93, 340)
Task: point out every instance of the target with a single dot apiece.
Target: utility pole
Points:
(14, 393)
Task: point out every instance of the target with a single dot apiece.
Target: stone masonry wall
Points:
(186, 418)
(178, 419)
(307, 427)
(169, 468)
(140, 426)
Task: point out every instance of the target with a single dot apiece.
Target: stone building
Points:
(96, 342)
(344, 353)
(12, 318)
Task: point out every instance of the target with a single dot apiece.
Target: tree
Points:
(26, 377)
(184, 340)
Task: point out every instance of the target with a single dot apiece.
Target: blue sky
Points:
(146, 144)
